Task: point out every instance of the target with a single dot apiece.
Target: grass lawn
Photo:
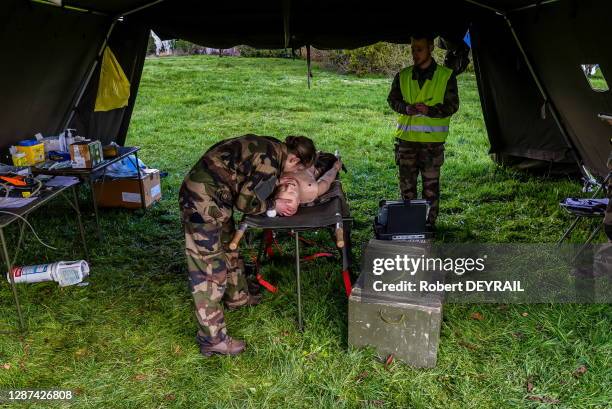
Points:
(127, 339)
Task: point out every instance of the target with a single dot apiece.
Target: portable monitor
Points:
(402, 220)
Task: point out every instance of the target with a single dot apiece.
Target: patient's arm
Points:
(325, 181)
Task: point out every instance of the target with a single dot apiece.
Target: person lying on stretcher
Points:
(306, 185)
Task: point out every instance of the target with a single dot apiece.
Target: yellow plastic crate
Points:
(34, 151)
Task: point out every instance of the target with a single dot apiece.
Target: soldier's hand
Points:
(285, 207)
(338, 165)
(411, 110)
(422, 108)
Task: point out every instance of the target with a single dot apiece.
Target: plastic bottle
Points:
(63, 272)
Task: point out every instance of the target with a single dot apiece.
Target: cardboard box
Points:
(126, 192)
(86, 154)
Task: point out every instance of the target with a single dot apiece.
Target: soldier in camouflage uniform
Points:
(425, 110)
(242, 173)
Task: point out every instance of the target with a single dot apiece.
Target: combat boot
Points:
(252, 299)
(228, 346)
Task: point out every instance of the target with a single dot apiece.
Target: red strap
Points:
(266, 284)
(280, 251)
(268, 237)
(317, 255)
(312, 243)
(347, 282)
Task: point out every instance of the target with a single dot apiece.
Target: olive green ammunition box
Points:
(404, 324)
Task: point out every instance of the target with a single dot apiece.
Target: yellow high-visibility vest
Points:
(421, 128)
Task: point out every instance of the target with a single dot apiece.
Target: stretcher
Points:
(328, 211)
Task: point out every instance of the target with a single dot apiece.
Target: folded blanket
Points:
(585, 207)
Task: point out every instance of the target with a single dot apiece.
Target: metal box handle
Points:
(389, 321)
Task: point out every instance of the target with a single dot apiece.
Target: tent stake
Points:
(552, 108)
(308, 70)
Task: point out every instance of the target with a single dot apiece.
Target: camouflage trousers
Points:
(608, 215)
(425, 158)
(216, 274)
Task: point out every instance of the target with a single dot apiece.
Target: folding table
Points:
(9, 216)
(91, 174)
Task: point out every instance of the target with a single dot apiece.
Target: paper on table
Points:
(59, 181)
(15, 202)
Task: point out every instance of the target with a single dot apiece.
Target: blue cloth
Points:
(467, 39)
(125, 168)
(585, 207)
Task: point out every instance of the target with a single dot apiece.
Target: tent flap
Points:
(512, 104)
(129, 45)
(49, 52)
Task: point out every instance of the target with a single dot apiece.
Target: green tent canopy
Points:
(536, 99)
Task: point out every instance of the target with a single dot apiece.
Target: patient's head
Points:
(289, 193)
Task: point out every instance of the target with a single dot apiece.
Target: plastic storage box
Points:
(33, 149)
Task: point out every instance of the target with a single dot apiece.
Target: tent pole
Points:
(85, 83)
(547, 100)
(530, 6)
(484, 6)
(308, 70)
(286, 21)
(70, 8)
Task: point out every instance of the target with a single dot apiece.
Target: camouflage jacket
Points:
(443, 110)
(243, 171)
(609, 187)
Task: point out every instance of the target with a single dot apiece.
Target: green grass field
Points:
(127, 339)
